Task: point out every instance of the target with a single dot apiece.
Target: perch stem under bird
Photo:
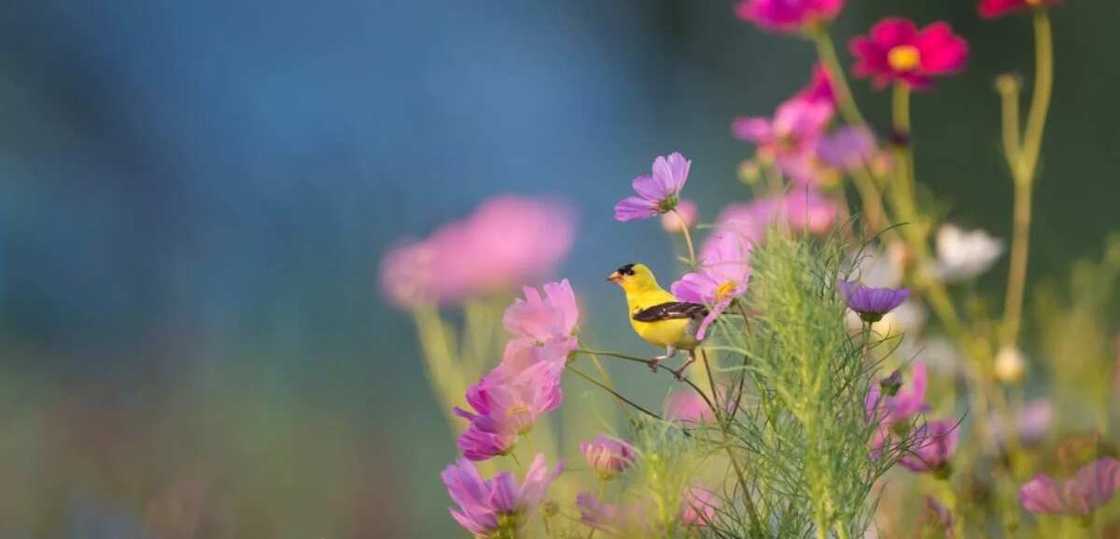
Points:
(658, 317)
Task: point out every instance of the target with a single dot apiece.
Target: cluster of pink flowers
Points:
(526, 384)
(507, 241)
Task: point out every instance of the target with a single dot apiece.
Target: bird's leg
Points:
(655, 362)
(679, 373)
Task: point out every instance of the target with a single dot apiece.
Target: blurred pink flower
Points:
(487, 506)
(687, 407)
(803, 209)
(657, 194)
(1031, 424)
(788, 15)
(990, 9)
(508, 240)
(819, 89)
(698, 506)
(596, 514)
(806, 210)
(934, 443)
(1092, 486)
(909, 400)
(629, 520)
(673, 222)
(608, 456)
(790, 138)
(896, 50)
(722, 276)
(507, 404)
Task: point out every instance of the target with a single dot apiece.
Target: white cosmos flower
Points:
(962, 255)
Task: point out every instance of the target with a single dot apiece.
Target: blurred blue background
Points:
(196, 194)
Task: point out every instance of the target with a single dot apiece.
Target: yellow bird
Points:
(657, 316)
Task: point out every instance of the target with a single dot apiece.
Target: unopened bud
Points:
(749, 172)
(1010, 365)
(891, 384)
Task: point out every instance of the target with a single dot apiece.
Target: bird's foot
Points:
(654, 363)
(679, 373)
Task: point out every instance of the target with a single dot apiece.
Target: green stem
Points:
(687, 238)
(614, 393)
(826, 51)
(1024, 174)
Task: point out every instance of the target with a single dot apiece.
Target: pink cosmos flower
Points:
(788, 15)
(608, 456)
(722, 276)
(1092, 486)
(629, 520)
(935, 443)
(806, 210)
(847, 148)
(687, 407)
(990, 9)
(819, 89)
(507, 240)
(803, 209)
(657, 194)
(684, 218)
(544, 319)
(896, 51)
(790, 138)
(908, 401)
(596, 514)
(1030, 425)
(507, 404)
(487, 506)
(698, 507)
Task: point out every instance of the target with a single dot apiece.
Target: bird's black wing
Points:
(671, 310)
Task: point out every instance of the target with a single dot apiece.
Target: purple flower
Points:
(847, 147)
(657, 194)
(507, 403)
(629, 520)
(608, 456)
(698, 507)
(596, 514)
(934, 443)
(1030, 424)
(722, 276)
(1092, 486)
(487, 506)
(872, 303)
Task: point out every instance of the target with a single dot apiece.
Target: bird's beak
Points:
(615, 277)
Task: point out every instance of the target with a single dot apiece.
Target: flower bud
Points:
(1010, 365)
(608, 456)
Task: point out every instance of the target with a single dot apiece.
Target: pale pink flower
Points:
(658, 193)
(698, 507)
(1092, 486)
(721, 277)
(608, 456)
(790, 138)
(546, 318)
(934, 443)
(508, 240)
(684, 217)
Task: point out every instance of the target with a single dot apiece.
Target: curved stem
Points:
(826, 51)
(1024, 173)
(687, 237)
(616, 394)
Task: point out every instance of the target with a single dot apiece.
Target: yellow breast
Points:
(662, 333)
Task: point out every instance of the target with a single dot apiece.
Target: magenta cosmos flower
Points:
(1092, 486)
(934, 444)
(722, 276)
(990, 9)
(608, 456)
(790, 138)
(788, 15)
(507, 404)
(819, 89)
(657, 194)
(500, 504)
(698, 507)
(872, 303)
(908, 401)
(508, 240)
(896, 51)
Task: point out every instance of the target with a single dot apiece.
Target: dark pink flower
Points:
(722, 276)
(990, 9)
(788, 15)
(908, 401)
(507, 241)
(819, 89)
(872, 303)
(1092, 486)
(657, 194)
(896, 51)
(934, 444)
(790, 138)
(487, 506)
(698, 507)
(608, 456)
(507, 402)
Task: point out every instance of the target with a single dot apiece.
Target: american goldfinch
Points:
(657, 316)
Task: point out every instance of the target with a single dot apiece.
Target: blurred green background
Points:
(196, 196)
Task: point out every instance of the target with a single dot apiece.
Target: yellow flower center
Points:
(1034, 2)
(725, 290)
(904, 58)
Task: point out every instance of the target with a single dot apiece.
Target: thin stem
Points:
(900, 108)
(1008, 88)
(687, 237)
(616, 394)
(826, 51)
(872, 199)
(1024, 175)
